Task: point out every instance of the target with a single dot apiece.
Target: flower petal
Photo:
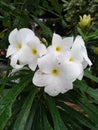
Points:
(79, 50)
(68, 85)
(87, 60)
(14, 60)
(52, 90)
(40, 79)
(47, 63)
(11, 50)
(12, 36)
(34, 41)
(33, 65)
(73, 70)
(42, 49)
(25, 55)
(58, 86)
(57, 39)
(68, 42)
(24, 35)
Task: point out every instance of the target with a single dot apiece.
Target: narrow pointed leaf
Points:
(75, 117)
(90, 76)
(58, 122)
(23, 115)
(7, 101)
(44, 119)
(30, 119)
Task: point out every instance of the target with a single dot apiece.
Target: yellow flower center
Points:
(58, 48)
(34, 51)
(55, 72)
(71, 59)
(19, 46)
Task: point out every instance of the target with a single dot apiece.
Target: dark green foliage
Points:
(26, 107)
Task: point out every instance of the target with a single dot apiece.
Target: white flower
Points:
(18, 40)
(76, 59)
(34, 50)
(73, 66)
(79, 50)
(59, 45)
(24, 48)
(52, 75)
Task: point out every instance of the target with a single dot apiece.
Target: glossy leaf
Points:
(25, 110)
(30, 119)
(58, 122)
(74, 117)
(7, 101)
(90, 76)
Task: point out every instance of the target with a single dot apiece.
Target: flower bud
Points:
(85, 21)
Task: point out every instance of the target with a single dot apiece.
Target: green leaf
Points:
(7, 101)
(36, 121)
(44, 120)
(58, 122)
(30, 119)
(7, 79)
(54, 9)
(93, 35)
(5, 116)
(90, 109)
(56, 6)
(82, 100)
(1, 89)
(81, 33)
(90, 76)
(84, 88)
(10, 6)
(23, 115)
(74, 117)
(45, 123)
(46, 32)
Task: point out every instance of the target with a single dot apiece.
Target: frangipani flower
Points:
(24, 48)
(73, 66)
(76, 59)
(33, 51)
(59, 45)
(18, 40)
(52, 75)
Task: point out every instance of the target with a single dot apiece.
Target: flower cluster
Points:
(59, 65)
